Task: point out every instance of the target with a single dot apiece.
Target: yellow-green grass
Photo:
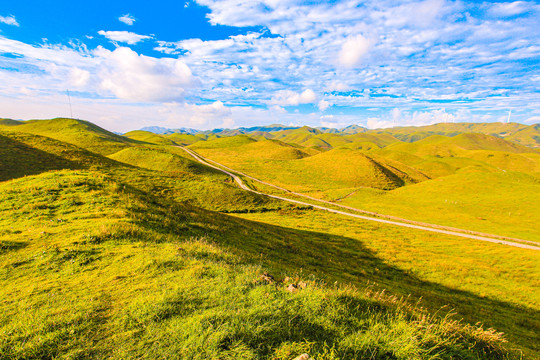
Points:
(126, 205)
(77, 132)
(337, 168)
(249, 150)
(316, 142)
(529, 136)
(485, 282)
(91, 268)
(159, 159)
(149, 137)
(172, 175)
(225, 142)
(472, 191)
(409, 133)
(380, 140)
(26, 154)
(443, 146)
(185, 139)
(502, 203)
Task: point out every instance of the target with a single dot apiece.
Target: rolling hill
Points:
(133, 254)
(77, 132)
(149, 137)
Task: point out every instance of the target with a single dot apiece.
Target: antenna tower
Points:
(69, 101)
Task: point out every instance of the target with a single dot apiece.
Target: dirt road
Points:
(400, 222)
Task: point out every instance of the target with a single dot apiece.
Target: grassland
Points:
(125, 257)
(472, 181)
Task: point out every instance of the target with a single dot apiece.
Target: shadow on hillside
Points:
(336, 258)
(287, 251)
(18, 159)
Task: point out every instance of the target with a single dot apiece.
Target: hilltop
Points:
(77, 132)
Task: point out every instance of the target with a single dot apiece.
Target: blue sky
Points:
(230, 63)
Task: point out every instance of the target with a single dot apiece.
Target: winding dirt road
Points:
(395, 220)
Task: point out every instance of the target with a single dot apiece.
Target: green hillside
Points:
(130, 276)
(149, 137)
(415, 133)
(502, 203)
(225, 142)
(24, 154)
(184, 139)
(529, 136)
(78, 132)
(145, 253)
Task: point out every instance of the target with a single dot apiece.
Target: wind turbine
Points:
(508, 120)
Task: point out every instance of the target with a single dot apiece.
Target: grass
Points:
(478, 182)
(148, 137)
(120, 257)
(336, 168)
(77, 132)
(103, 270)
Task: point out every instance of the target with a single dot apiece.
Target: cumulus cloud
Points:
(124, 36)
(412, 55)
(353, 49)
(131, 76)
(78, 77)
(127, 19)
(9, 20)
(323, 105)
(291, 98)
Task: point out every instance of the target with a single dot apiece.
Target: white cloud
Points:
(533, 120)
(509, 9)
(131, 76)
(9, 20)
(352, 51)
(278, 109)
(337, 86)
(323, 105)
(124, 36)
(127, 19)
(291, 98)
(421, 54)
(211, 115)
(412, 14)
(79, 77)
(375, 123)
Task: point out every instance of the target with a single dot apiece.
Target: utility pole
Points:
(69, 101)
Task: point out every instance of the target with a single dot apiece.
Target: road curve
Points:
(241, 184)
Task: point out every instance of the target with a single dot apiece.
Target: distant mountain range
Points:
(351, 129)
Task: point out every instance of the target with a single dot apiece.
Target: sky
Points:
(208, 64)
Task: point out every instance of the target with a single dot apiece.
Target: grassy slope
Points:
(412, 133)
(77, 132)
(149, 137)
(184, 180)
(107, 271)
(184, 139)
(338, 168)
(529, 136)
(503, 203)
(283, 250)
